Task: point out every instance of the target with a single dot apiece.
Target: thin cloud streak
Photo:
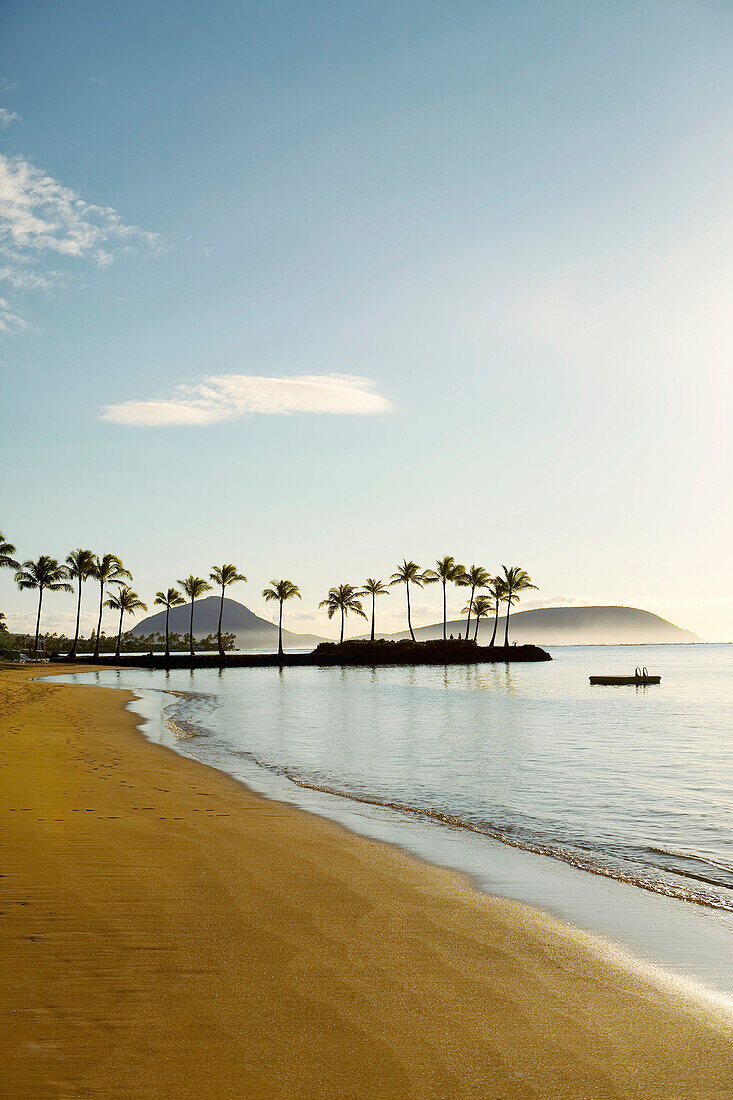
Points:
(232, 396)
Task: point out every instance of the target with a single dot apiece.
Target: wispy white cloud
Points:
(41, 218)
(25, 278)
(39, 214)
(231, 396)
(10, 321)
(6, 117)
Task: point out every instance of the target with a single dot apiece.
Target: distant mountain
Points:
(251, 631)
(568, 626)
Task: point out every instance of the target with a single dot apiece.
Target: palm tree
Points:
(224, 575)
(409, 573)
(374, 588)
(447, 569)
(280, 591)
(46, 573)
(193, 587)
(107, 570)
(126, 602)
(473, 578)
(169, 599)
(7, 561)
(343, 598)
(79, 565)
(496, 593)
(481, 607)
(515, 581)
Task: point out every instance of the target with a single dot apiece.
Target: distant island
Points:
(543, 626)
(249, 630)
(603, 625)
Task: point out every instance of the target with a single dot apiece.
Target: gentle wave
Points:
(591, 864)
(642, 866)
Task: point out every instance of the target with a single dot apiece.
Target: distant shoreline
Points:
(346, 654)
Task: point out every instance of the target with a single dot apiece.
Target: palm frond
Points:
(194, 586)
(7, 550)
(224, 575)
(281, 590)
(44, 573)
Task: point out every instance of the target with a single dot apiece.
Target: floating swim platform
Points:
(641, 676)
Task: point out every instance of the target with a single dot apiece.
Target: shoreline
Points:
(277, 954)
(680, 938)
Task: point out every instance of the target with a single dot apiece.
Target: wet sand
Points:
(167, 933)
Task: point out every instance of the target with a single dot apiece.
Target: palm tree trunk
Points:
(470, 602)
(445, 612)
(341, 639)
(119, 635)
(280, 631)
(374, 600)
(72, 652)
(496, 622)
(475, 633)
(508, 609)
(409, 619)
(167, 636)
(190, 631)
(99, 620)
(221, 612)
(38, 618)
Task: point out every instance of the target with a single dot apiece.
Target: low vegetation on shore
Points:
(487, 594)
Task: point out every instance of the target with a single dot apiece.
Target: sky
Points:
(314, 287)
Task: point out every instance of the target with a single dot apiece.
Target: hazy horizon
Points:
(312, 289)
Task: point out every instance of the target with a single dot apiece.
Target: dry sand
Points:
(167, 934)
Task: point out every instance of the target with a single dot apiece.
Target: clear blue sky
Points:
(512, 219)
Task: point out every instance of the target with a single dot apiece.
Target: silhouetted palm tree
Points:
(447, 569)
(169, 599)
(126, 602)
(410, 573)
(193, 587)
(481, 607)
(515, 581)
(343, 598)
(224, 575)
(79, 565)
(374, 588)
(281, 591)
(107, 570)
(496, 593)
(7, 561)
(473, 578)
(45, 573)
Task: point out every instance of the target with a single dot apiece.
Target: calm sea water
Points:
(633, 784)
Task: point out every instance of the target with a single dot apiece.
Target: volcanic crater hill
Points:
(604, 625)
(250, 630)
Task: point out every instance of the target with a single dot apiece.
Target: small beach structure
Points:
(641, 676)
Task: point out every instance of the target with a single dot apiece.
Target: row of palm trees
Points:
(504, 588)
(46, 574)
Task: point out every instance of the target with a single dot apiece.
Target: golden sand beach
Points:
(168, 934)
